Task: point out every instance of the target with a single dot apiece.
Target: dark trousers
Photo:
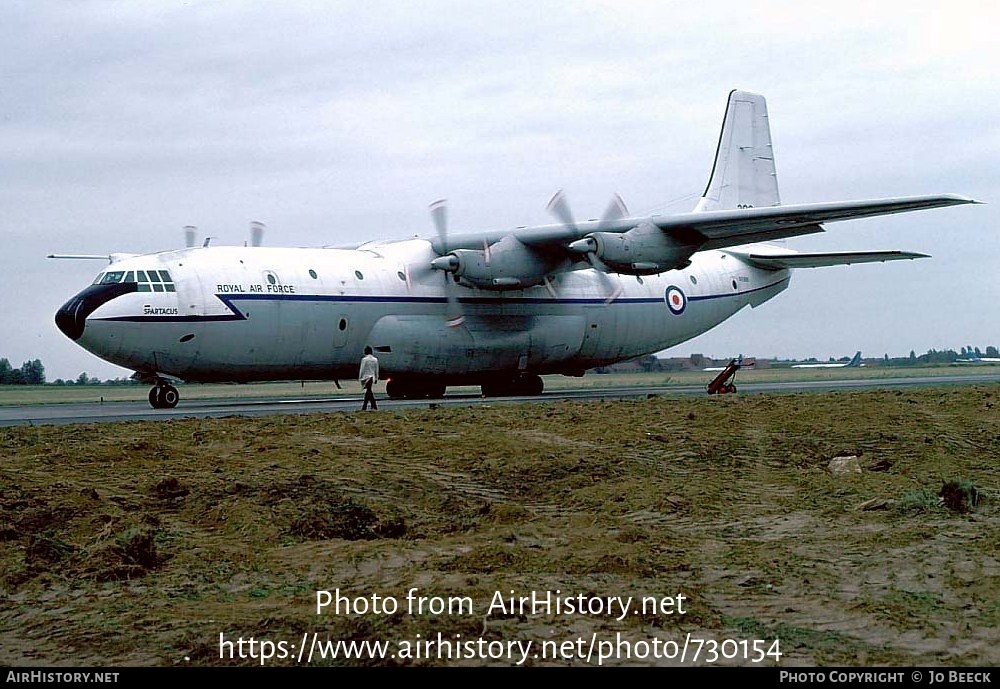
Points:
(369, 396)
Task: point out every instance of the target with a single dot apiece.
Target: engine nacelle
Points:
(507, 264)
(643, 250)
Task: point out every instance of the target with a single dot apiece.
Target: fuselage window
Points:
(271, 279)
(312, 273)
(343, 324)
(735, 286)
(694, 280)
(358, 275)
(401, 275)
(638, 279)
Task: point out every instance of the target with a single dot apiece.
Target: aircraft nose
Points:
(71, 318)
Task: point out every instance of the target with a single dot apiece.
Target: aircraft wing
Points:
(750, 225)
(828, 258)
(716, 229)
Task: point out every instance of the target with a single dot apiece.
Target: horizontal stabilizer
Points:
(823, 259)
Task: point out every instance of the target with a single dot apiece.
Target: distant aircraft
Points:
(972, 358)
(855, 362)
(496, 309)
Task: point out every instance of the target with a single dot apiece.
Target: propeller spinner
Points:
(616, 210)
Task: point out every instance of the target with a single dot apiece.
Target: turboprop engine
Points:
(643, 250)
(506, 264)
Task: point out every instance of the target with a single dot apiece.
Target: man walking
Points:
(368, 375)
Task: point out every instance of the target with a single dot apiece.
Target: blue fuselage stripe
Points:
(237, 315)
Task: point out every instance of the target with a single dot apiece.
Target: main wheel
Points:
(169, 397)
(395, 390)
(532, 385)
(494, 388)
(435, 390)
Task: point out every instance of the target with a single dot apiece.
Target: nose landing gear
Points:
(163, 395)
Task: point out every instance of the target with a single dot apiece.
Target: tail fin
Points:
(856, 361)
(743, 175)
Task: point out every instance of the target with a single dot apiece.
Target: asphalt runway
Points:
(46, 414)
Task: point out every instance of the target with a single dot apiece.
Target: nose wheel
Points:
(163, 395)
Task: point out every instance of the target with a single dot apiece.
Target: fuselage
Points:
(259, 313)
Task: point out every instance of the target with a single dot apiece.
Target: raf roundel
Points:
(676, 301)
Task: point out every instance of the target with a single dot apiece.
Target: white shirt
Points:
(369, 368)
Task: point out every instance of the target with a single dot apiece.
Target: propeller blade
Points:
(616, 210)
(550, 288)
(453, 312)
(559, 207)
(612, 288)
(439, 213)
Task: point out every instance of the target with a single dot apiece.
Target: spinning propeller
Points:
(616, 210)
(447, 264)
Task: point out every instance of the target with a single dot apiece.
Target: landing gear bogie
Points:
(407, 389)
(528, 385)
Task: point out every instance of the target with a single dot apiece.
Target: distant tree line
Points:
(84, 379)
(30, 373)
(946, 356)
(33, 373)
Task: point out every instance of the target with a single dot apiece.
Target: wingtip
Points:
(961, 198)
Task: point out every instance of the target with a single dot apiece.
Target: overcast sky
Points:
(334, 122)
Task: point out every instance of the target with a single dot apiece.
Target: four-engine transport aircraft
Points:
(495, 309)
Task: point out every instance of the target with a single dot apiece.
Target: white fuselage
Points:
(253, 313)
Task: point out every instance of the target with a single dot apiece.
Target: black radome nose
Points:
(71, 318)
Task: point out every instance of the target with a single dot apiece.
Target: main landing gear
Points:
(526, 386)
(163, 395)
(414, 389)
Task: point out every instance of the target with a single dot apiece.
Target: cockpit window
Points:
(112, 277)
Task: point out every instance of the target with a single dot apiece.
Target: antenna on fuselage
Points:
(190, 232)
